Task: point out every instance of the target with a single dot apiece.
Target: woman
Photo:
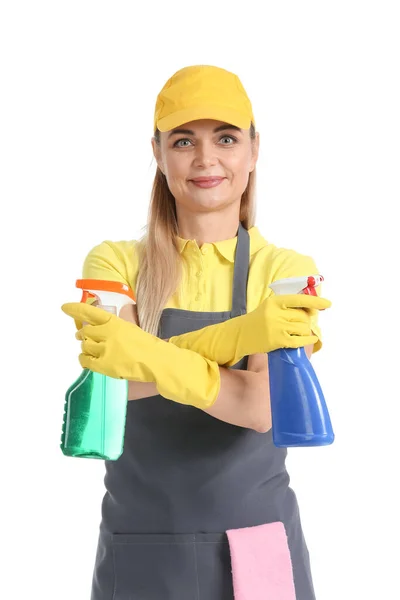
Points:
(199, 464)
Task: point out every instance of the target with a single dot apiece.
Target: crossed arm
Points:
(243, 399)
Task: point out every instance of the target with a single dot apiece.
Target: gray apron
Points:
(183, 480)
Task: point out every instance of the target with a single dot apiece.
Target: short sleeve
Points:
(104, 261)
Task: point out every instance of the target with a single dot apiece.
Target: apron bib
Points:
(183, 480)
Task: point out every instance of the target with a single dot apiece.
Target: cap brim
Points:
(219, 113)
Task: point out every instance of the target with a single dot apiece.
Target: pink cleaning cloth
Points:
(261, 563)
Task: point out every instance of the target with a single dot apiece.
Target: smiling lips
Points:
(207, 182)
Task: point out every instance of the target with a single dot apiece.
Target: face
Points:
(206, 148)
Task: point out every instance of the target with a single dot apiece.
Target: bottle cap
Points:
(102, 285)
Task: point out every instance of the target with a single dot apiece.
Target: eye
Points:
(227, 137)
(181, 140)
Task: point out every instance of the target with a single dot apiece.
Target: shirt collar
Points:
(228, 247)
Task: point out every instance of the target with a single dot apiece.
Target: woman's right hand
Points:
(284, 321)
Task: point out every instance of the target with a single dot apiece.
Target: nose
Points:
(205, 155)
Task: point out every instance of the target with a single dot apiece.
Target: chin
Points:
(210, 200)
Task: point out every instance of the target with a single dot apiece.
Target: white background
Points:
(79, 82)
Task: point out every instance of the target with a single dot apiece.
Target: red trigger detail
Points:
(310, 291)
(311, 281)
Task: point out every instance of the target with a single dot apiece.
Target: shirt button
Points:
(198, 297)
(199, 273)
(204, 250)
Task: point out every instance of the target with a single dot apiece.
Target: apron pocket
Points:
(154, 567)
(214, 567)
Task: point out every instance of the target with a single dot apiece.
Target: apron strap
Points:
(241, 272)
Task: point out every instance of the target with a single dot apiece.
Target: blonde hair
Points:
(160, 262)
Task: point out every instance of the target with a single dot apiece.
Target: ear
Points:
(255, 151)
(157, 154)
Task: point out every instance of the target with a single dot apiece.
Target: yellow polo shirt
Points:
(207, 276)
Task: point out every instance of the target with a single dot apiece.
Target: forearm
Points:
(243, 400)
(141, 389)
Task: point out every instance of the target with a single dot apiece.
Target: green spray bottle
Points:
(95, 404)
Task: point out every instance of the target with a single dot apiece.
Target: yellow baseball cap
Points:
(202, 92)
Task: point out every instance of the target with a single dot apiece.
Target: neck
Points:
(208, 228)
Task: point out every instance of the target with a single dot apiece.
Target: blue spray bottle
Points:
(299, 413)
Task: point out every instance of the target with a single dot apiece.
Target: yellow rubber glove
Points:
(79, 324)
(279, 322)
(120, 349)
